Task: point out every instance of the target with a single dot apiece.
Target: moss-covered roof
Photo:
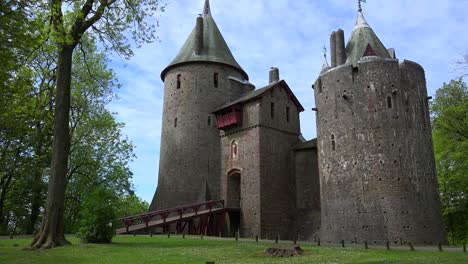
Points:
(361, 38)
(214, 47)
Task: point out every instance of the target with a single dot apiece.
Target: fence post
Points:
(276, 239)
(183, 236)
(11, 235)
(256, 238)
(201, 236)
(237, 235)
(342, 243)
(388, 245)
(295, 239)
(366, 246)
(464, 247)
(151, 233)
(318, 242)
(439, 246)
(168, 234)
(410, 244)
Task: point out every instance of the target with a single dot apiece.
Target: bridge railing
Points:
(170, 212)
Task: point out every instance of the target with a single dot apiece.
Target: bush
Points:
(98, 212)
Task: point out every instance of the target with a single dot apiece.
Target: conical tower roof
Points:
(364, 42)
(214, 47)
(325, 66)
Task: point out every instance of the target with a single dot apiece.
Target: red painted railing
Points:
(165, 213)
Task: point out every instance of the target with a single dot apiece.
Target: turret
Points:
(203, 76)
(376, 161)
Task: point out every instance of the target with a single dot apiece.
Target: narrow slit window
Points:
(216, 79)
(319, 84)
(272, 110)
(175, 122)
(389, 102)
(333, 144)
(209, 120)
(287, 114)
(179, 77)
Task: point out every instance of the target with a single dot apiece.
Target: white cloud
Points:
(286, 34)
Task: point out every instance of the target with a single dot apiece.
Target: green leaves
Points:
(450, 132)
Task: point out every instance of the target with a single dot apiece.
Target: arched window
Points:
(234, 150)
(179, 77)
(333, 142)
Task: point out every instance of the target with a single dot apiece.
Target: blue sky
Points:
(288, 34)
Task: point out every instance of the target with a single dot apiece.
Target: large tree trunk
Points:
(51, 233)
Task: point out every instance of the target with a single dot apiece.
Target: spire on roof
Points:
(364, 42)
(361, 21)
(207, 9)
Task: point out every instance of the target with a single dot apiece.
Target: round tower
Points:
(196, 82)
(377, 170)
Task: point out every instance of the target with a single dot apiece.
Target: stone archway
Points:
(234, 189)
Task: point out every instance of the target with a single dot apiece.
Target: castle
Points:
(369, 176)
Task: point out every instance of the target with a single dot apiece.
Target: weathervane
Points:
(360, 4)
(324, 51)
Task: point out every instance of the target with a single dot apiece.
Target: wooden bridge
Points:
(200, 218)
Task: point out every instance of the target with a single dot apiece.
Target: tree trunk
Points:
(36, 188)
(51, 233)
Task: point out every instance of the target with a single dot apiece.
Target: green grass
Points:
(176, 250)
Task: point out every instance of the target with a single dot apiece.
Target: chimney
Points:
(333, 49)
(340, 47)
(274, 74)
(199, 35)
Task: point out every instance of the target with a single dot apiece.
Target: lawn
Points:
(177, 250)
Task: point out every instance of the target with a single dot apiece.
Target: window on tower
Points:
(215, 79)
(175, 122)
(179, 77)
(389, 102)
(272, 110)
(333, 142)
(287, 114)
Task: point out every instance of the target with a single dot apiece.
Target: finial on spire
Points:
(206, 8)
(360, 4)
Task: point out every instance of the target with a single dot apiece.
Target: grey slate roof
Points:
(259, 92)
(306, 145)
(362, 36)
(249, 96)
(214, 48)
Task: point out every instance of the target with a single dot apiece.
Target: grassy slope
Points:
(176, 250)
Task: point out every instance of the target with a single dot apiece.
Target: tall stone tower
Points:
(203, 76)
(376, 161)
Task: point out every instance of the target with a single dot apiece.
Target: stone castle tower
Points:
(369, 176)
(198, 80)
(376, 161)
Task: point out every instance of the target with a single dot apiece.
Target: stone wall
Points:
(376, 161)
(307, 191)
(278, 189)
(247, 164)
(189, 163)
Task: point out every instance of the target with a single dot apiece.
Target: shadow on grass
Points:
(168, 244)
